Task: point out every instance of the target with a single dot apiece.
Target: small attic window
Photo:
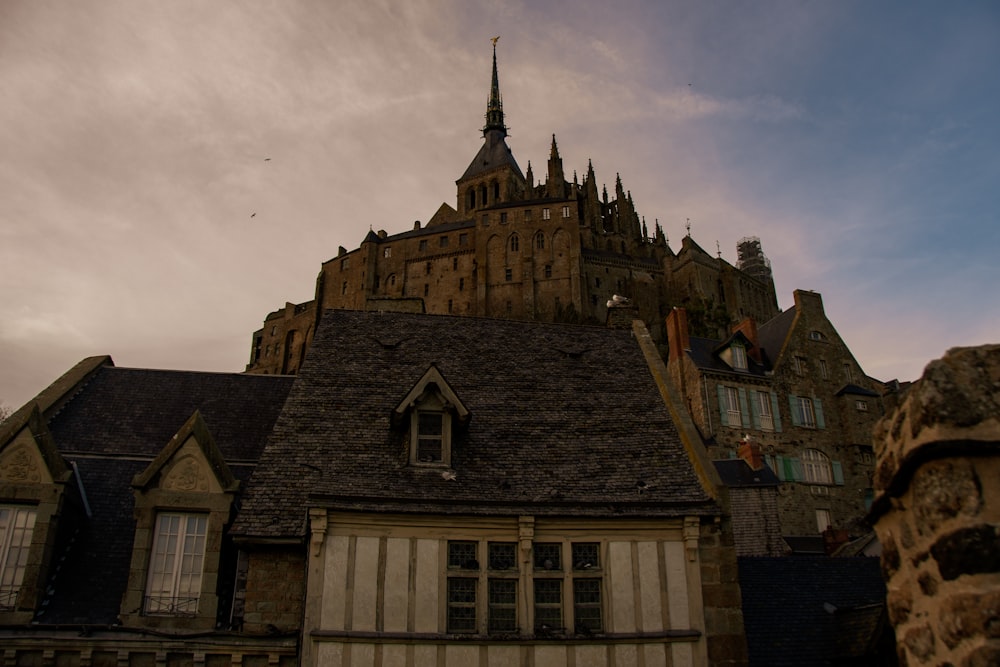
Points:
(434, 410)
(816, 335)
(739, 357)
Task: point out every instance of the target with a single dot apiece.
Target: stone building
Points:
(792, 385)
(117, 488)
(554, 250)
(428, 490)
(937, 512)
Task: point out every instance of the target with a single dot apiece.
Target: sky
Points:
(173, 171)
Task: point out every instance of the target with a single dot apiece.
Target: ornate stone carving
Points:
(186, 475)
(20, 466)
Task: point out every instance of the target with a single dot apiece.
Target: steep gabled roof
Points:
(704, 354)
(116, 423)
(494, 154)
(563, 420)
(773, 333)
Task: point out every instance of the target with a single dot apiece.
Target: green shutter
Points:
(776, 413)
(794, 408)
(744, 412)
(722, 405)
(818, 407)
(788, 469)
(838, 473)
(797, 470)
(769, 460)
(779, 467)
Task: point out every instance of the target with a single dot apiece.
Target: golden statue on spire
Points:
(494, 39)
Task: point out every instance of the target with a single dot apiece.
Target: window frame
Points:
(168, 577)
(12, 573)
(817, 467)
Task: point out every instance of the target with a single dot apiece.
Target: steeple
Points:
(494, 107)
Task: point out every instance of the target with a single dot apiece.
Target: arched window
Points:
(496, 192)
(540, 241)
(515, 243)
(816, 467)
(471, 198)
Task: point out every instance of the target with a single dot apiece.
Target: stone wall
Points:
(275, 591)
(937, 509)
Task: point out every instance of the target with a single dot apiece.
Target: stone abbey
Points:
(557, 250)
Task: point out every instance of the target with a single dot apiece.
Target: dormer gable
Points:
(190, 462)
(431, 409)
(736, 352)
(28, 454)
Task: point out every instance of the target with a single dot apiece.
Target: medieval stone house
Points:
(793, 386)
(513, 248)
(433, 490)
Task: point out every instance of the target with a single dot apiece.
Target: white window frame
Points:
(422, 436)
(862, 406)
(733, 415)
(824, 519)
(17, 525)
(565, 211)
(816, 467)
(176, 564)
(764, 412)
(546, 214)
(807, 413)
(739, 357)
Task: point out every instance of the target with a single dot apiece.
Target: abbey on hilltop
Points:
(513, 248)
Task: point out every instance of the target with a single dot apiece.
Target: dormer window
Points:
(739, 358)
(428, 431)
(432, 410)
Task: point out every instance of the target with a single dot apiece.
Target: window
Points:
(823, 370)
(461, 604)
(739, 357)
(527, 214)
(514, 243)
(486, 220)
(423, 244)
(765, 413)
(449, 305)
(540, 241)
(461, 284)
(816, 335)
(587, 605)
(175, 565)
(597, 282)
(454, 263)
(848, 372)
(387, 252)
(430, 434)
(548, 604)
(427, 289)
(548, 270)
(508, 274)
(816, 467)
(463, 239)
(343, 288)
(345, 264)
(806, 412)
(862, 406)
(565, 211)
(443, 242)
(823, 520)
(548, 556)
(503, 217)
(427, 269)
(799, 364)
(502, 605)
(546, 214)
(16, 527)
(733, 406)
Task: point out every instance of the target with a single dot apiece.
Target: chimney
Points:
(750, 451)
(748, 327)
(677, 333)
(620, 316)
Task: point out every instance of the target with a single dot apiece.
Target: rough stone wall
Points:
(756, 530)
(937, 509)
(724, 633)
(275, 590)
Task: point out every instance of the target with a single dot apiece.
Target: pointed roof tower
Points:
(495, 153)
(494, 107)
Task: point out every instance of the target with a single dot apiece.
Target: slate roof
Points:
(703, 355)
(112, 429)
(564, 420)
(784, 614)
(494, 153)
(737, 473)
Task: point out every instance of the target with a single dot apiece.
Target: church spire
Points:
(494, 108)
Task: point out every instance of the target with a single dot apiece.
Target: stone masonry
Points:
(937, 512)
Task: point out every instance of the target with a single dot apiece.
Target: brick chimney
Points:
(750, 451)
(748, 327)
(678, 337)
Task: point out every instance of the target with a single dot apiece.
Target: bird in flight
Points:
(253, 214)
